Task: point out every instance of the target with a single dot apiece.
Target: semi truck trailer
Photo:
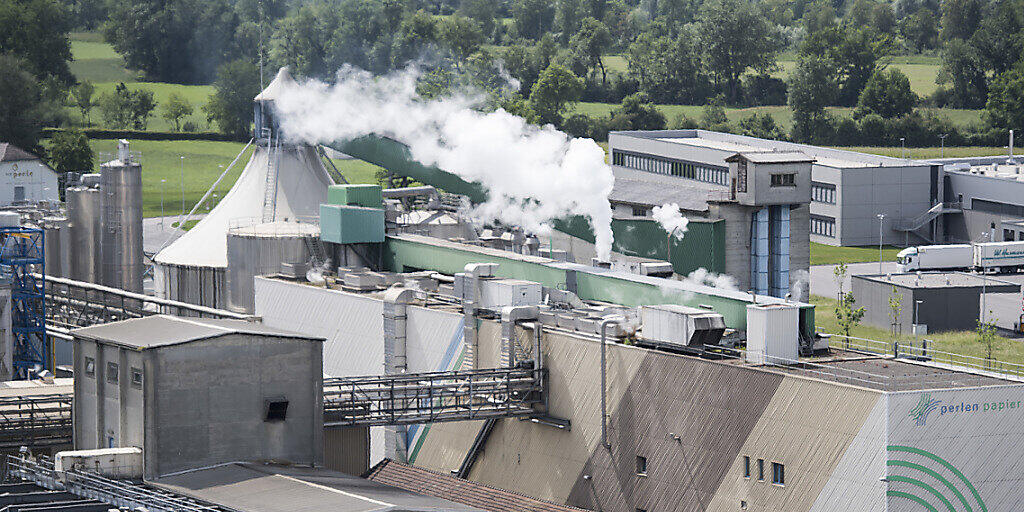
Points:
(989, 256)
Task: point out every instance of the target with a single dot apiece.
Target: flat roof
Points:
(652, 193)
(164, 330)
(886, 373)
(941, 280)
(250, 487)
(823, 156)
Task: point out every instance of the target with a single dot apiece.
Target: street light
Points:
(917, 305)
(162, 184)
(903, 147)
(881, 217)
(984, 283)
(183, 184)
(943, 139)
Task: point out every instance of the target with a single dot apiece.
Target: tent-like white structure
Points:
(281, 182)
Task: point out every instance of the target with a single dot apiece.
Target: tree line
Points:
(537, 57)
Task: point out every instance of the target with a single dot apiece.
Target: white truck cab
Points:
(908, 259)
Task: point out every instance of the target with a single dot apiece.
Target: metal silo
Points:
(256, 249)
(57, 243)
(122, 221)
(85, 211)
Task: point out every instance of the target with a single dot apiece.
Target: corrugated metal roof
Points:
(771, 157)
(456, 489)
(163, 330)
(268, 488)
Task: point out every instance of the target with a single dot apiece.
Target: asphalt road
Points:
(1005, 308)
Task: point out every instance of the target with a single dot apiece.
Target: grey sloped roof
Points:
(650, 193)
(249, 487)
(164, 330)
(11, 153)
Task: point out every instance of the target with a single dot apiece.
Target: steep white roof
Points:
(302, 185)
(273, 90)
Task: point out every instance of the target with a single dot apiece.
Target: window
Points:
(778, 474)
(822, 225)
(823, 192)
(671, 167)
(277, 410)
(641, 465)
(112, 373)
(19, 193)
(760, 470)
(998, 208)
(1008, 234)
(638, 509)
(639, 211)
(137, 377)
(784, 180)
(90, 367)
(746, 466)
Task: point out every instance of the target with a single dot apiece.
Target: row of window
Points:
(671, 167)
(778, 471)
(1008, 235)
(824, 226)
(113, 372)
(998, 208)
(823, 193)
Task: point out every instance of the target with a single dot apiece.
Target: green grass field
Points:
(932, 152)
(958, 342)
(161, 160)
(96, 61)
(822, 254)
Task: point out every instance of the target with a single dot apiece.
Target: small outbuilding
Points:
(949, 301)
(24, 178)
(193, 392)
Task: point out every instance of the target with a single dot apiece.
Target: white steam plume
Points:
(533, 175)
(671, 219)
(702, 276)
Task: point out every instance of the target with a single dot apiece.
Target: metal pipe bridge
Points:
(45, 420)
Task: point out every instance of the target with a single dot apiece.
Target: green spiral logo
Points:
(927, 476)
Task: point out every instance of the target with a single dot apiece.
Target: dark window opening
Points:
(778, 474)
(112, 373)
(641, 465)
(90, 366)
(639, 211)
(760, 470)
(137, 377)
(784, 180)
(277, 410)
(746, 466)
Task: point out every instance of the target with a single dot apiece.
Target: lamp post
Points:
(881, 217)
(903, 147)
(183, 184)
(942, 138)
(917, 305)
(163, 182)
(984, 283)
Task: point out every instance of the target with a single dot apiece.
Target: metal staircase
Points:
(270, 188)
(915, 223)
(317, 251)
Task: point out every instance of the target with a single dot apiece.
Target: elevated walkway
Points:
(913, 224)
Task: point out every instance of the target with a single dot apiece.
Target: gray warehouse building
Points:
(988, 195)
(193, 392)
(848, 189)
(948, 300)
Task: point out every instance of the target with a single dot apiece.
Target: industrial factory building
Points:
(848, 189)
(24, 178)
(986, 197)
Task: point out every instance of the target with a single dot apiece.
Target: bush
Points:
(761, 90)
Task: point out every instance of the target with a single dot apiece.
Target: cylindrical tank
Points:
(57, 244)
(203, 286)
(122, 222)
(85, 211)
(260, 249)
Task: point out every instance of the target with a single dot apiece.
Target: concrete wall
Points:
(975, 225)
(865, 192)
(209, 397)
(108, 414)
(38, 180)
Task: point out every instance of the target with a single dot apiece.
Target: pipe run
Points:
(604, 376)
(470, 300)
(510, 316)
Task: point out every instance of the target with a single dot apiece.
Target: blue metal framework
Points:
(21, 255)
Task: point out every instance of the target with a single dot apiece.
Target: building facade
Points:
(848, 190)
(164, 384)
(24, 178)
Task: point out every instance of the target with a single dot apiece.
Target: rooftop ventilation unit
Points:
(681, 326)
